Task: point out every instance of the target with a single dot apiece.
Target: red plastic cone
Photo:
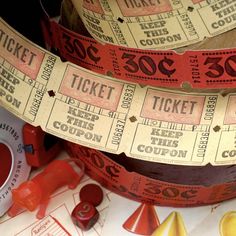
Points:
(143, 221)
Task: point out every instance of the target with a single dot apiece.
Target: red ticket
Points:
(165, 68)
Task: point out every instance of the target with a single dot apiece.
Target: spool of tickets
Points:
(13, 166)
(138, 26)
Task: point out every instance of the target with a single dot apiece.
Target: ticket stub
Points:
(111, 115)
(160, 135)
(162, 24)
(89, 103)
(25, 70)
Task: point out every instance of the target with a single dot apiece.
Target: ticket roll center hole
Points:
(6, 162)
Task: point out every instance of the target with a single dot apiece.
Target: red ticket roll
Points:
(161, 184)
(179, 174)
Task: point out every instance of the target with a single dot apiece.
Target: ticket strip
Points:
(197, 69)
(163, 24)
(165, 68)
(13, 168)
(144, 189)
(73, 103)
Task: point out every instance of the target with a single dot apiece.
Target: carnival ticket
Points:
(160, 24)
(101, 112)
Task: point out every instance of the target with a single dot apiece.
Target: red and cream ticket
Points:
(112, 115)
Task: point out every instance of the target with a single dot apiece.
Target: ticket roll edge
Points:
(145, 189)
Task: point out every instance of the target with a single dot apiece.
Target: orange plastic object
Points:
(40, 147)
(37, 191)
(143, 221)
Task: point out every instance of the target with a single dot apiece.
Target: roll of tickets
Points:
(139, 187)
(13, 166)
(198, 69)
(160, 24)
(146, 123)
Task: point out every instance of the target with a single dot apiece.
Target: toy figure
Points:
(37, 191)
